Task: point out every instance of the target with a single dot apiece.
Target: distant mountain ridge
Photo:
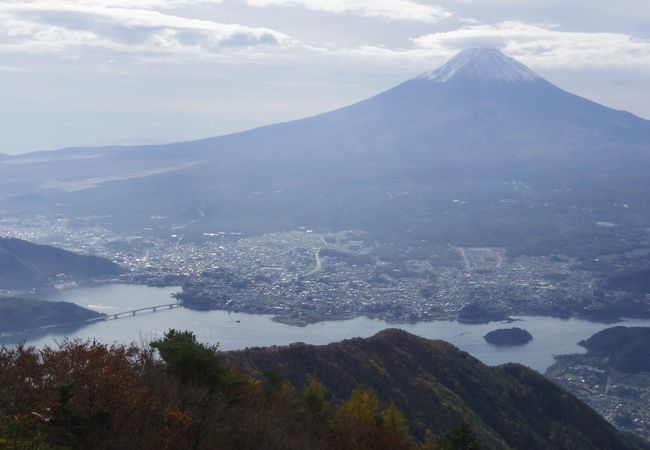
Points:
(24, 265)
(436, 386)
(483, 128)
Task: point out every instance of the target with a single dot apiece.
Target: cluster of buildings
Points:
(302, 276)
(623, 399)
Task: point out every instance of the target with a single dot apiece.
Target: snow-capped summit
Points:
(482, 64)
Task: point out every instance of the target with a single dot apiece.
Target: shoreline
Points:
(302, 322)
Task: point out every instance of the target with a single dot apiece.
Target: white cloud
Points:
(388, 9)
(152, 30)
(130, 4)
(544, 45)
(538, 45)
(541, 46)
(64, 25)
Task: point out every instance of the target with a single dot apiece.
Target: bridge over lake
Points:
(133, 312)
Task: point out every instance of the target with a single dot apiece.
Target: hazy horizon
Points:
(93, 73)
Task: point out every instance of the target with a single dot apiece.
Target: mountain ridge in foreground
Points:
(438, 386)
(179, 394)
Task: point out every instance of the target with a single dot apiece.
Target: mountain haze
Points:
(437, 155)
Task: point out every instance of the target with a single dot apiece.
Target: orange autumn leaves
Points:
(175, 394)
(87, 393)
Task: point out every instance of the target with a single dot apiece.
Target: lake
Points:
(551, 336)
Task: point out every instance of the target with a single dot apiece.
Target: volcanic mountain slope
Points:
(24, 265)
(436, 386)
(521, 158)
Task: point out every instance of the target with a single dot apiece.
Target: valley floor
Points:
(304, 277)
(623, 399)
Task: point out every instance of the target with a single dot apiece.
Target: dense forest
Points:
(437, 386)
(181, 394)
(178, 395)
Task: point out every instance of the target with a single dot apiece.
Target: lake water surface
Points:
(233, 331)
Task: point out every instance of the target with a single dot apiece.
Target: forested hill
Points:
(18, 314)
(437, 386)
(627, 348)
(181, 394)
(25, 265)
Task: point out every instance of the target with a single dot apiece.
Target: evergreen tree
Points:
(190, 360)
(431, 442)
(462, 438)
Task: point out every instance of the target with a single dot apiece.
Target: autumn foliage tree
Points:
(363, 425)
(314, 395)
(176, 395)
(86, 395)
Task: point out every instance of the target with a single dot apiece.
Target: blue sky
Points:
(96, 72)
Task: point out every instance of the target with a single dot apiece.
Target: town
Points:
(623, 399)
(303, 276)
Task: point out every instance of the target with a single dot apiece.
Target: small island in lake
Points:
(508, 336)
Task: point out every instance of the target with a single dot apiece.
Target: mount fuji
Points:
(481, 151)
